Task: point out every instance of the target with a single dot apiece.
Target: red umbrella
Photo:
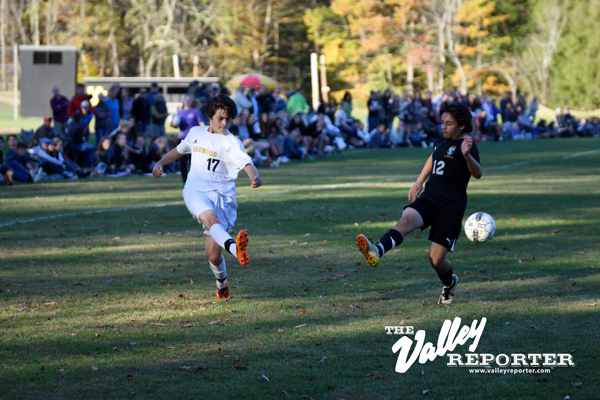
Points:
(251, 80)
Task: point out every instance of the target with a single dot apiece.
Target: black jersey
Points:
(449, 177)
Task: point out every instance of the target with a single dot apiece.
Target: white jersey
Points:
(216, 161)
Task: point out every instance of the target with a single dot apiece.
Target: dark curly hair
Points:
(223, 102)
(461, 114)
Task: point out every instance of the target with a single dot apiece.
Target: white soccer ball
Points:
(480, 227)
(173, 120)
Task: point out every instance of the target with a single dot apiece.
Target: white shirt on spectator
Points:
(242, 102)
(340, 118)
(216, 161)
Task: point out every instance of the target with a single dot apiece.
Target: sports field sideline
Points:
(106, 293)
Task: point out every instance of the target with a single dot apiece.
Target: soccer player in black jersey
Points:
(442, 205)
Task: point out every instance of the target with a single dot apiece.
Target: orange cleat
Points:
(241, 243)
(223, 294)
(368, 249)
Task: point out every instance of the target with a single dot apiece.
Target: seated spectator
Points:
(240, 129)
(51, 165)
(23, 170)
(570, 120)
(157, 150)
(586, 129)
(319, 141)
(380, 137)
(45, 130)
(103, 116)
(361, 132)
(5, 171)
(11, 140)
(562, 128)
(399, 136)
(526, 125)
(132, 134)
(102, 159)
(120, 155)
(348, 131)
(55, 149)
(75, 133)
(429, 128)
(139, 156)
(124, 127)
(416, 135)
(262, 133)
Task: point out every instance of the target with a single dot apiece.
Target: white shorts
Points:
(224, 207)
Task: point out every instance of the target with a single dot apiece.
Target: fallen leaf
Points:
(577, 385)
(62, 246)
(265, 377)
(383, 291)
(303, 244)
(159, 318)
(116, 349)
(133, 344)
(293, 242)
(303, 311)
(160, 324)
(213, 323)
(592, 304)
(93, 368)
(181, 295)
(167, 258)
(300, 326)
(52, 303)
(426, 391)
(305, 256)
(201, 308)
(554, 232)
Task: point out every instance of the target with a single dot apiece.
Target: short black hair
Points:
(223, 102)
(21, 144)
(9, 136)
(461, 114)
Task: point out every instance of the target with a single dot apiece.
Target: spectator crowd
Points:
(130, 134)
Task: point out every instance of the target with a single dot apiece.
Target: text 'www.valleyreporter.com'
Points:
(509, 371)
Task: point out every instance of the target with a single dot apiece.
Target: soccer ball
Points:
(173, 120)
(480, 227)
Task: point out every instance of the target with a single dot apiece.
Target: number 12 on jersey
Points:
(438, 167)
(214, 162)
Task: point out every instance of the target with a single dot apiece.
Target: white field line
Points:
(319, 187)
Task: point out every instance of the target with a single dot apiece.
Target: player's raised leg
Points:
(220, 235)
(443, 267)
(411, 220)
(217, 265)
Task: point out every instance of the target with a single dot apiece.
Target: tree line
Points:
(541, 47)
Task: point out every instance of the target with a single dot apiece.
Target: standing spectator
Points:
(189, 118)
(151, 99)
(59, 104)
(265, 100)
(280, 103)
(113, 104)
(103, 117)
(374, 106)
(533, 107)
(297, 103)
(438, 100)
(393, 111)
(252, 97)
(127, 102)
(86, 118)
(241, 101)
(523, 103)
(75, 132)
(347, 100)
(75, 103)
(45, 130)
(159, 114)
(139, 111)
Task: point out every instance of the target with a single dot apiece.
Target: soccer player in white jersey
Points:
(209, 194)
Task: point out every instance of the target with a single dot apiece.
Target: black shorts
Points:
(445, 226)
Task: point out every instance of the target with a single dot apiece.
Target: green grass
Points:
(77, 290)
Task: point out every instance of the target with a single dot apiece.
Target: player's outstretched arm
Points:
(474, 167)
(417, 188)
(170, 157)
(253, 175)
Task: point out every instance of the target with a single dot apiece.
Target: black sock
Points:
(228, 244)
(388, 241)
(446, 277)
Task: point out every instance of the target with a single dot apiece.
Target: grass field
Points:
(114, 299)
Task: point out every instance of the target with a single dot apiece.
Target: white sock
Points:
(220, 235)
(220, 273)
